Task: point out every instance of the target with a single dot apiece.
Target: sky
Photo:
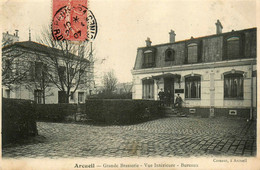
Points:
(124, 25)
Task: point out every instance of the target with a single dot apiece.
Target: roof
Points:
(34, 46)
(202, 37)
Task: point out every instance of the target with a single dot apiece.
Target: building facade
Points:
(215, 73)
(24, 74)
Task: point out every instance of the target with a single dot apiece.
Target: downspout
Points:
(252, 95)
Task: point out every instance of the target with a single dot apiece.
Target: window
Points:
(148, 89)
(7, 92)
(233, 48)
(62, 73)
(38, 70)
(71, 96)
(192, 87)
(81, 97)
(233, 85)
(169, 55)
(8, 68)
(149, 60)
(38, 96)
(193, 53)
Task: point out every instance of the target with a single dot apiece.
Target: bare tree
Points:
(128, 87)
(109, 81)
(69, 64)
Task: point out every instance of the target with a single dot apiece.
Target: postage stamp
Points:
(72, 20)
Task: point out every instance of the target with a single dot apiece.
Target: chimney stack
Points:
(148, 42)
(219, 27)
(172, 36)
(16, 33)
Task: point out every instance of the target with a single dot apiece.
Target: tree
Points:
(109, 82)
(69, 64)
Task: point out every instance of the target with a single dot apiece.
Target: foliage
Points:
(122, 111)
(109, 82)
(18, 120)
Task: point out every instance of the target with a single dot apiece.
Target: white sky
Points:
(124, 25)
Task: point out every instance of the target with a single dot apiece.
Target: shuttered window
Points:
(192, 53)
(148, 89)
(233, 48)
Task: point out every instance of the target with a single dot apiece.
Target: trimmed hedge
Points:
(57, 112)
(115, 111)
(18, 120)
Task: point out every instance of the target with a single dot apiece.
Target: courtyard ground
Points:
(166, 137)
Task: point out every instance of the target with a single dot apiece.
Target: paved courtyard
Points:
(167, 137)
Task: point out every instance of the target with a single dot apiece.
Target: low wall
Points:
(58, 112)
(113, 111)
(18, 120)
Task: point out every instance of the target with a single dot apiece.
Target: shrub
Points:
(116, 111)
(18, 120)
(57, 112)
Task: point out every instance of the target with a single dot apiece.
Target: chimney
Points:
(148, 42)
(16, 33)
(219, 27)
(172, 36)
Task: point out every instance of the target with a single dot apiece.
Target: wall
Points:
(206, 99)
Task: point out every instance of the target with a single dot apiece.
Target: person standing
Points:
(178, 102)
(161, 95)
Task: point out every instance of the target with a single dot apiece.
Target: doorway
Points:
(169, 91)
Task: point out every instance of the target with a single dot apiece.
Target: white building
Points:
(27, 73)
(215, 74)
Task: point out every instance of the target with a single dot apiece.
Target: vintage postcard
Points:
(127, 84)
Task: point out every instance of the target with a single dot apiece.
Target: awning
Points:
(167, 75)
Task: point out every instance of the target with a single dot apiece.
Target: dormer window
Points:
(149, 59)
(193, 53)
(233, 48)
(169, 55)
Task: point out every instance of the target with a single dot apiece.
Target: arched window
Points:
(193, 87)
(193, 53)
(233, 86)
(169, 55)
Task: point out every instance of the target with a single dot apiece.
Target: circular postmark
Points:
(75, 23)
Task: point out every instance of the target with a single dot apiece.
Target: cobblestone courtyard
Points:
(170, 136)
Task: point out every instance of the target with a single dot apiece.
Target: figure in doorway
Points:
(161, 95)
(168, 98)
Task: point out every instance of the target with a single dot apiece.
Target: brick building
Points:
(215, 74)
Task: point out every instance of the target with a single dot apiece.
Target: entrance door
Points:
(169, 91)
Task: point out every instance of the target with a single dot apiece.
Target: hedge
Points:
(18, 120)
(115, 111)
(57, 112)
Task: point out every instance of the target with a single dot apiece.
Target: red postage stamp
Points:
(70, 20)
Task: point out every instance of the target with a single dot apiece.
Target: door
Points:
(169, 90)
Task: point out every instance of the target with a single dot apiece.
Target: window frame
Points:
(233, 76)
(172, 57)
(148, 86)
(189, 91)
(148, 58)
